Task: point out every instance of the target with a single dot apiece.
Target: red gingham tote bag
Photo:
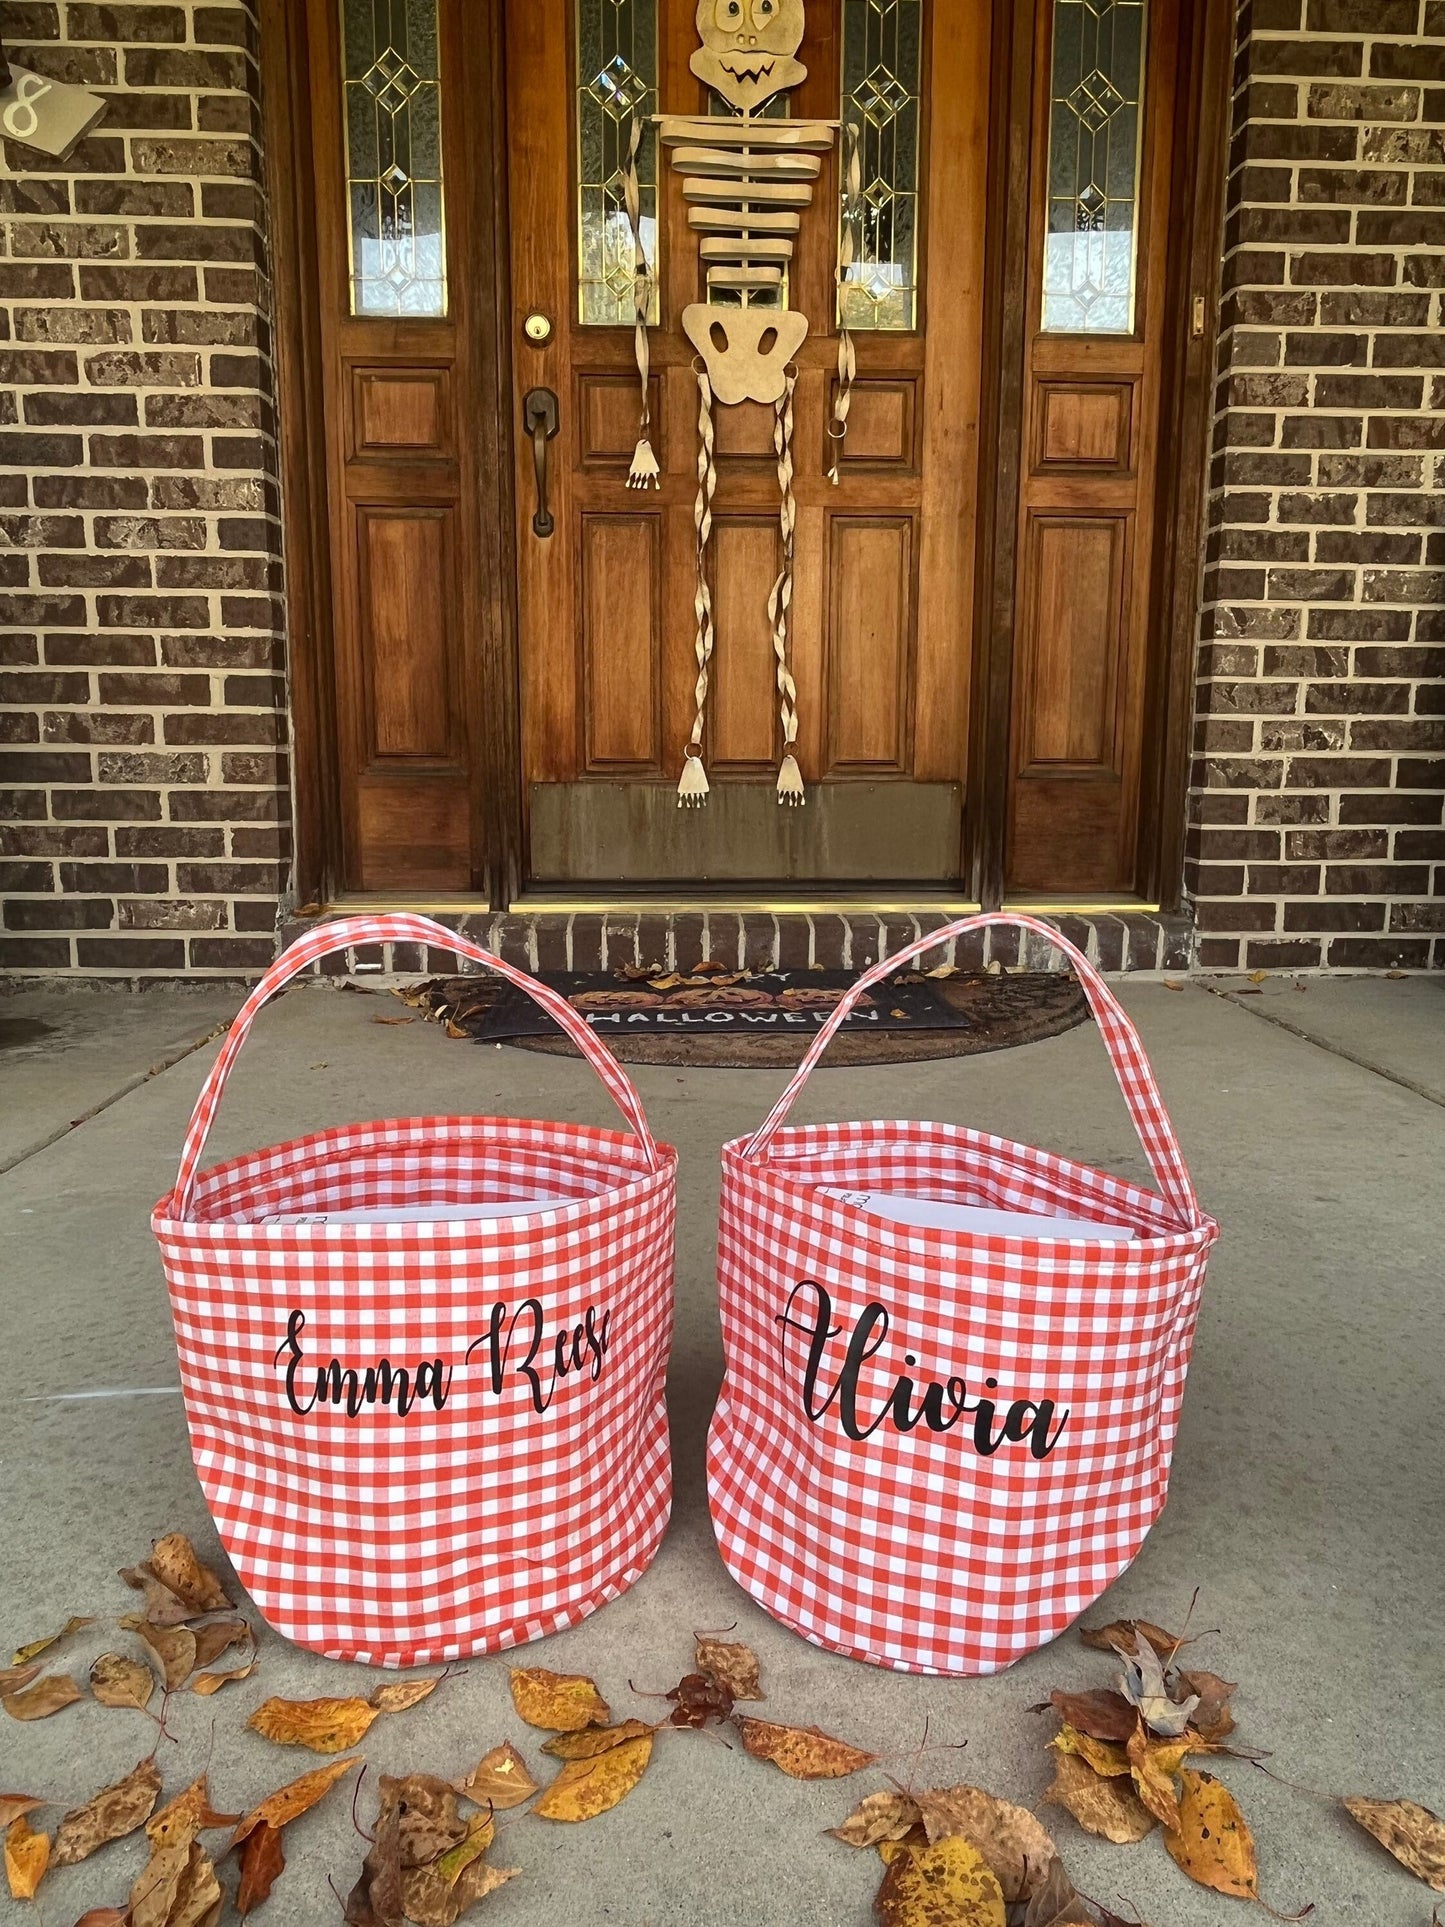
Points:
(934, 1448)
(422, 1440)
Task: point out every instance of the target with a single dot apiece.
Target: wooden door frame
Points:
(1197, 197)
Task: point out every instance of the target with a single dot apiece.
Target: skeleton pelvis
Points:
(746, 350)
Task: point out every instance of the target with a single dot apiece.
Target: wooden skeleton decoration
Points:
(747, 181)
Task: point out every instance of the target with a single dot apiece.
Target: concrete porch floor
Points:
(1307, 1487)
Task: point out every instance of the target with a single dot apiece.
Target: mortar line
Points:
(1335, 1050)
(162, 1064)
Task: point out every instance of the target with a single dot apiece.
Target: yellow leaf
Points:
(39, 1646)
(1106, 1757)
(1109, 1807)
(1414, 1834)
(949, 1882)
(428, 1901)
(1258, 976)
(472, 1845)
(118, 1681)
(27, 1855)
(326, 1726)
(593, 1740)
(1154, 1763)
(557, 1702)
(732, 1665)
(1013, 1843)
(880, 1818)
(289, 1802)
(190, 1813)
(585, 1788)
(499, 1779)
(208, 1683)
(802, 1752)
(404, 1694)
(47, 1696)
(1212, 1842)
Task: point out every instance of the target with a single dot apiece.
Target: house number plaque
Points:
(46, 114)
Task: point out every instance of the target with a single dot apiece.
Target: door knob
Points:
(539, 412)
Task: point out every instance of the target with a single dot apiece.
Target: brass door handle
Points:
(539, 412)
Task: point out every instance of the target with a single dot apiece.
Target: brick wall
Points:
(1317, 814)
(143, 797)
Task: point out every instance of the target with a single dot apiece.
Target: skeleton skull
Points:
(748, 48)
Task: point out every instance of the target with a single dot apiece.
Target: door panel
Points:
(880, 634)
(1091, 407)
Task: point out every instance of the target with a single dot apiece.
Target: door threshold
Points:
(357, 903)
(535, 903)
(1081, 907)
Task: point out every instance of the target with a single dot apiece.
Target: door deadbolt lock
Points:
(538, 329)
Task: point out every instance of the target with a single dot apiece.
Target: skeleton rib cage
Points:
(746, 181)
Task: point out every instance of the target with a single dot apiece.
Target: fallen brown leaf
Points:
(1012, 1842)
(732, 1665)
(1110, 1808)
(802, 1752)
(698, 1698)
(113, 1813)
(1413, 1834)
(208, 1683)
(173, 1561)
(217, 1636)
(1143, 1684)
(1212, 1842)
(879, 1816)
(1154, 1763)
(1101, 1714)
(585, 1788)
(173, 1646)
(104, 1917)
(162, 1608)
(557, 1702)
(393, 1020)
(593, 1740)
(404, 1694)
(914, 1841)
(1056, 1902)
(1120, 1634)
(188, 1814)
(118, 1681)
(12, 1678)
(176, 1888)
(949, 1884)
(39, 1646)
(1106, 1757)
(27, 1855)
(14, 1806)
(324, 1725)
(499, 1779)
(47, 1696)
(289, 1802)
(1212, 1719)
(429, 1901)
(263, 1861)
(429, 1819)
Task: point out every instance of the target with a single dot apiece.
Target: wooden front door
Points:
(881, 621)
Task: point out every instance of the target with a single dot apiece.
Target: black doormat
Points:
(742, 1019)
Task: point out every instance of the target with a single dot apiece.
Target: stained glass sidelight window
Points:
(391, 86)
(1095, 129)
(616, 77)
(882, 55)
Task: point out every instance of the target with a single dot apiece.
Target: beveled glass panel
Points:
(882, 59)
(391, 96)
(616, 78)
(1095, 128)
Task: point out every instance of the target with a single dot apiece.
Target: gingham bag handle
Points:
(1121, 1040)
(329, 937)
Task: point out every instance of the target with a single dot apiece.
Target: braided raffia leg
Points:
(847, 358)
(692, 787)
(780, 601)
(644, 472)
